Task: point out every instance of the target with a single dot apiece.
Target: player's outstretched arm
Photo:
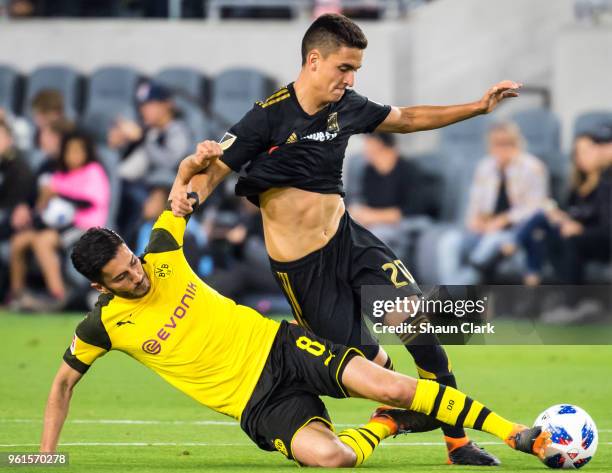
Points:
(203, 163)
(426, 117)
(57, 406)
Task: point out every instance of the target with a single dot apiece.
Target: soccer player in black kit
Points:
(293, 146)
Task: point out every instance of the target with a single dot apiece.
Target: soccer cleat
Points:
(404, 421)
(471, 454)
(529, 440)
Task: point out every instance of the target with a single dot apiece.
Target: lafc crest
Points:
(332, 123)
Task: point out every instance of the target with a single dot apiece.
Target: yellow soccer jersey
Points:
(199, 341)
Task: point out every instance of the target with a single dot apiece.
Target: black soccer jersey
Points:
(285, 147)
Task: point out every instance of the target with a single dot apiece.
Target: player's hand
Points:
(500, 91)
(206, 152)
(179, 203)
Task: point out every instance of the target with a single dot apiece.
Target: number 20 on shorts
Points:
(396, 267)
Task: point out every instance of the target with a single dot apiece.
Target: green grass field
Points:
(124, 418)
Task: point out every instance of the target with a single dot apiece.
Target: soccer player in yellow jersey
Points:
(266, 374)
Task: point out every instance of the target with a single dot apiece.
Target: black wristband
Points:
(194, 195)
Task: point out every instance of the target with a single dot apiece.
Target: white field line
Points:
(158, 422)
(205, 444)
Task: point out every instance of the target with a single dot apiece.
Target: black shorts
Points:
(300, 368)
(324, 287)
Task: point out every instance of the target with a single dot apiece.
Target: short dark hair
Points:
(48, 100)
(95, 248)
(387, 139)
(332, 31)
(61, 126)
(78, 135)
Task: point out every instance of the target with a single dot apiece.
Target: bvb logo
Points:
(163, 271)
(280, 446)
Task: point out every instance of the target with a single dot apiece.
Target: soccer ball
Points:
(573, 434)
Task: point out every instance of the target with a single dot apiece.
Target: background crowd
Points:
(54, 184)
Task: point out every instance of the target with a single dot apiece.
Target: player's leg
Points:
(362, 378)
(316, 445)
(314, 367)
(374, 264)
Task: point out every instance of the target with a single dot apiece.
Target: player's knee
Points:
(397, 391)
(333, 455)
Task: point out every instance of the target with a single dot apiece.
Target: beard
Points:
(137, 293)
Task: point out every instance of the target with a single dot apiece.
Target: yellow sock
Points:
(365, 439)
(452, 407)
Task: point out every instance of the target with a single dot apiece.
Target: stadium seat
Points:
(541, 130)
(199, 124)
(185, 82)
(10, 89)
(454, 171)
(234, 93)
(467, 138)
(110, 93)
(591, 121)
(61, 78)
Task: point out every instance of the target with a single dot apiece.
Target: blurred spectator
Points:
(603, 137)
(16, 181)
(47, 107)
(20, 184)
(21, 8)
(240, 260)
(150, 156)
(321, 7)
(50, 143)
(509, 186)
(582, 231)
(391, 189)
(75, 198)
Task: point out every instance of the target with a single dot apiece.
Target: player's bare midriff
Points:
(297, 222)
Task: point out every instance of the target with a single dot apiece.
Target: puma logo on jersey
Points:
(124, 322)
(321, 136)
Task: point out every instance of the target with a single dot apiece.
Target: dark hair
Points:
(48, 100)
(95, 248)
(577, 175)
(5, 126)
(387, 139)
(90, 153)
(61, 126)
(332, 31)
